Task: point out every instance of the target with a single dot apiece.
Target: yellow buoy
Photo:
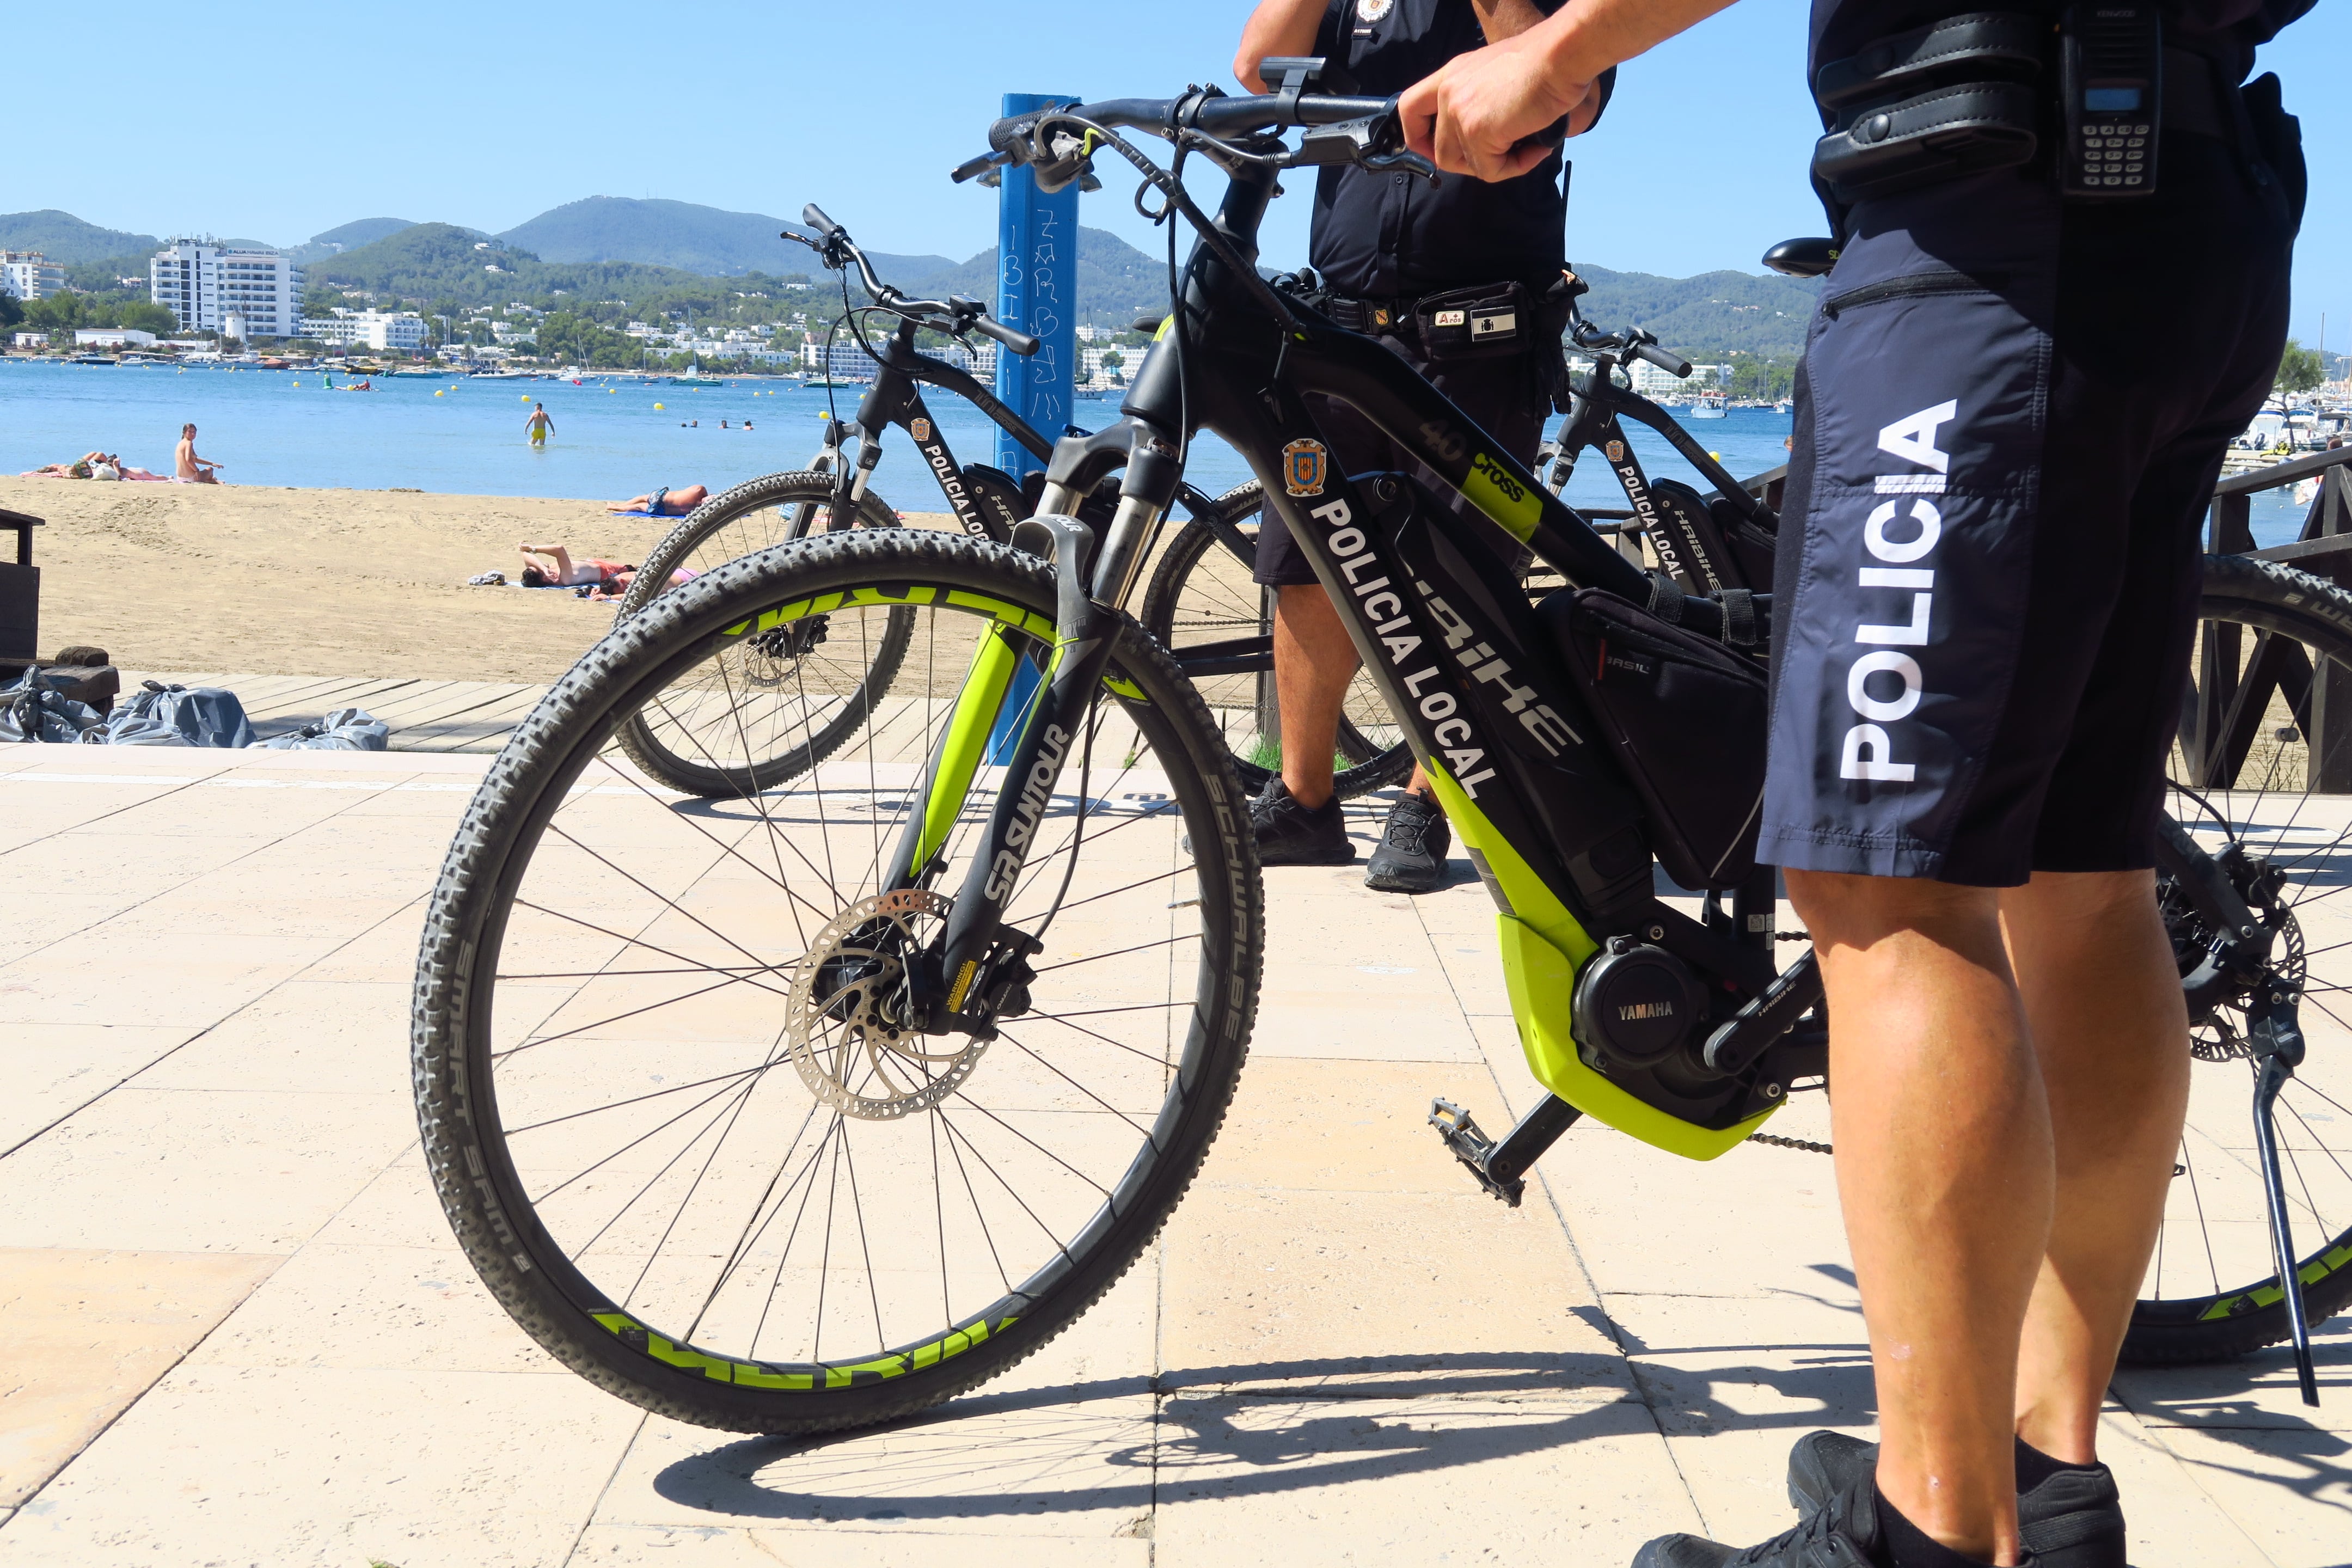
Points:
(657, 407)
(526, 397)
(436, 391)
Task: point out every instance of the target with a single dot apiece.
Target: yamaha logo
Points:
(1632, 1011)
(1304, 466)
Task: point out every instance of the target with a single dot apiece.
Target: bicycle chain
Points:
(1778, 1142)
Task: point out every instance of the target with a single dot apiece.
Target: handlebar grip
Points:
(813, 215)
(1021, 343)
(972, 167)
(1673, 365)
(1011, 135)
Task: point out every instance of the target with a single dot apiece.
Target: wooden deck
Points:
(425, 715)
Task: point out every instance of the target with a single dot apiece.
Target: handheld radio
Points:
(2111, 66)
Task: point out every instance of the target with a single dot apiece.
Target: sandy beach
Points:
(298, 582)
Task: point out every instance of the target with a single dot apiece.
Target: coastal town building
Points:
(389, 331)
(203, 284)
(30, 275)
(112, 338)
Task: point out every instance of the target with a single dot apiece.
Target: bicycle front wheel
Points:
(774, 706)
(1218, 626)
(671, 1099)
(2261, 782)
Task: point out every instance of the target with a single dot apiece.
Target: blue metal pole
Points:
(1036, 292)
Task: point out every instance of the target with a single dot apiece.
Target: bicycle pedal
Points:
(1470, 1144)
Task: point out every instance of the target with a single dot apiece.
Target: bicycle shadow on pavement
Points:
(1253, 1429)
(2250, 1407)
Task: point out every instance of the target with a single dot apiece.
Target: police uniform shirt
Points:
(1393, 235)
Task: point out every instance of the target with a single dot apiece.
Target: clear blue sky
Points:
(488, 115)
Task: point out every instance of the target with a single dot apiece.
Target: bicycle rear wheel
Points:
(2274, 658)
(1217, 624)
(668, 1104)
(707, 735)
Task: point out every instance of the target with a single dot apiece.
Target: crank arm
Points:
(1501, 1168)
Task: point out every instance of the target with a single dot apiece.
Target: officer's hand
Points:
(1467, 117)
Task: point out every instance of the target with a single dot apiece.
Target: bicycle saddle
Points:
(1802, 257)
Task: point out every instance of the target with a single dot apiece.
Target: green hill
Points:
(65, 239)
(675, 234)
(1115, 282)
(1715, 313)
(348, 236)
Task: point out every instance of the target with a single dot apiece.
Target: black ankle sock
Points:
(2034, 1467)
(1908, 1546)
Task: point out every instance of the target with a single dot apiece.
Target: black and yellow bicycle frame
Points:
(1527, 783)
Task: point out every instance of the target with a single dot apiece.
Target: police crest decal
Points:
(1616, 450)
(922, 428)
(1303, 463)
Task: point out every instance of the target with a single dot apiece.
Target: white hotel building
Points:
(30, 275)
(390, 331)
(204, 284)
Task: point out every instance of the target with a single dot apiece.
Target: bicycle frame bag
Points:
(1959, 97)
(1687, 717)
(1486, 320)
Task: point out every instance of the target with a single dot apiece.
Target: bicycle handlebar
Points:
(954, 316)
(1672, 364)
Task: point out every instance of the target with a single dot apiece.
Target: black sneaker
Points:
(1410, 855)
(1844, 1533)
(1288, 834)
(2074, 1519)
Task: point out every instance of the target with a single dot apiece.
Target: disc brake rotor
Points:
(2216, 1027)
(847, 1025)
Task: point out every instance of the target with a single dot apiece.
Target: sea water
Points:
(615, 439)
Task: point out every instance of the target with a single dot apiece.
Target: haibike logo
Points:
(1868, 751)
(1551, 731)
(1633, 1011)
(1026, 812)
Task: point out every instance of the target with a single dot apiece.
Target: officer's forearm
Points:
(1277, 27)
(1500, 20)
(1585, 37)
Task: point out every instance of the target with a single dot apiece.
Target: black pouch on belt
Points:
(1957, 97)
(1486, 320)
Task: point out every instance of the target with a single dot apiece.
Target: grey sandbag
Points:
(344, 729)
(33, 710)
(160, 715)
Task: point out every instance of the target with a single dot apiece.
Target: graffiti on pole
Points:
(1037, 253)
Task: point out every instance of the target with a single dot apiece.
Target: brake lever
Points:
(1404, 164)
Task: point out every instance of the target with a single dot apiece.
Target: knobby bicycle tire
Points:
(491, 894)
(798, 502)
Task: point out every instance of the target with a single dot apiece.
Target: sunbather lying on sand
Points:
(551, 566)
(666, 502)
(616, 586)
(79, 468)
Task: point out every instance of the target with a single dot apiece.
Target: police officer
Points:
(1395, 254)
(2012, 409)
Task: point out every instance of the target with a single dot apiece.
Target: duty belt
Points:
(1368, 313)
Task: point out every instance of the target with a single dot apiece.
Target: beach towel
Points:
(344, 729)
(487, 580)
(160, 715)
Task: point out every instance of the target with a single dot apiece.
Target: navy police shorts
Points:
(2010, 418)
(1502, 397)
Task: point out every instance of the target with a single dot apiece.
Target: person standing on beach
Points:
(1990, 412)
(539, 425)
(189, 467)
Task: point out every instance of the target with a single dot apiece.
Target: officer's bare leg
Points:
(1944, 1173)
(1313, 662)
(2110, 1029)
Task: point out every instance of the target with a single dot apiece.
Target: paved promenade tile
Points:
(240, 1332)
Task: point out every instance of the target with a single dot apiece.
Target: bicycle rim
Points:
(2273, 648)
(665, 1102)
